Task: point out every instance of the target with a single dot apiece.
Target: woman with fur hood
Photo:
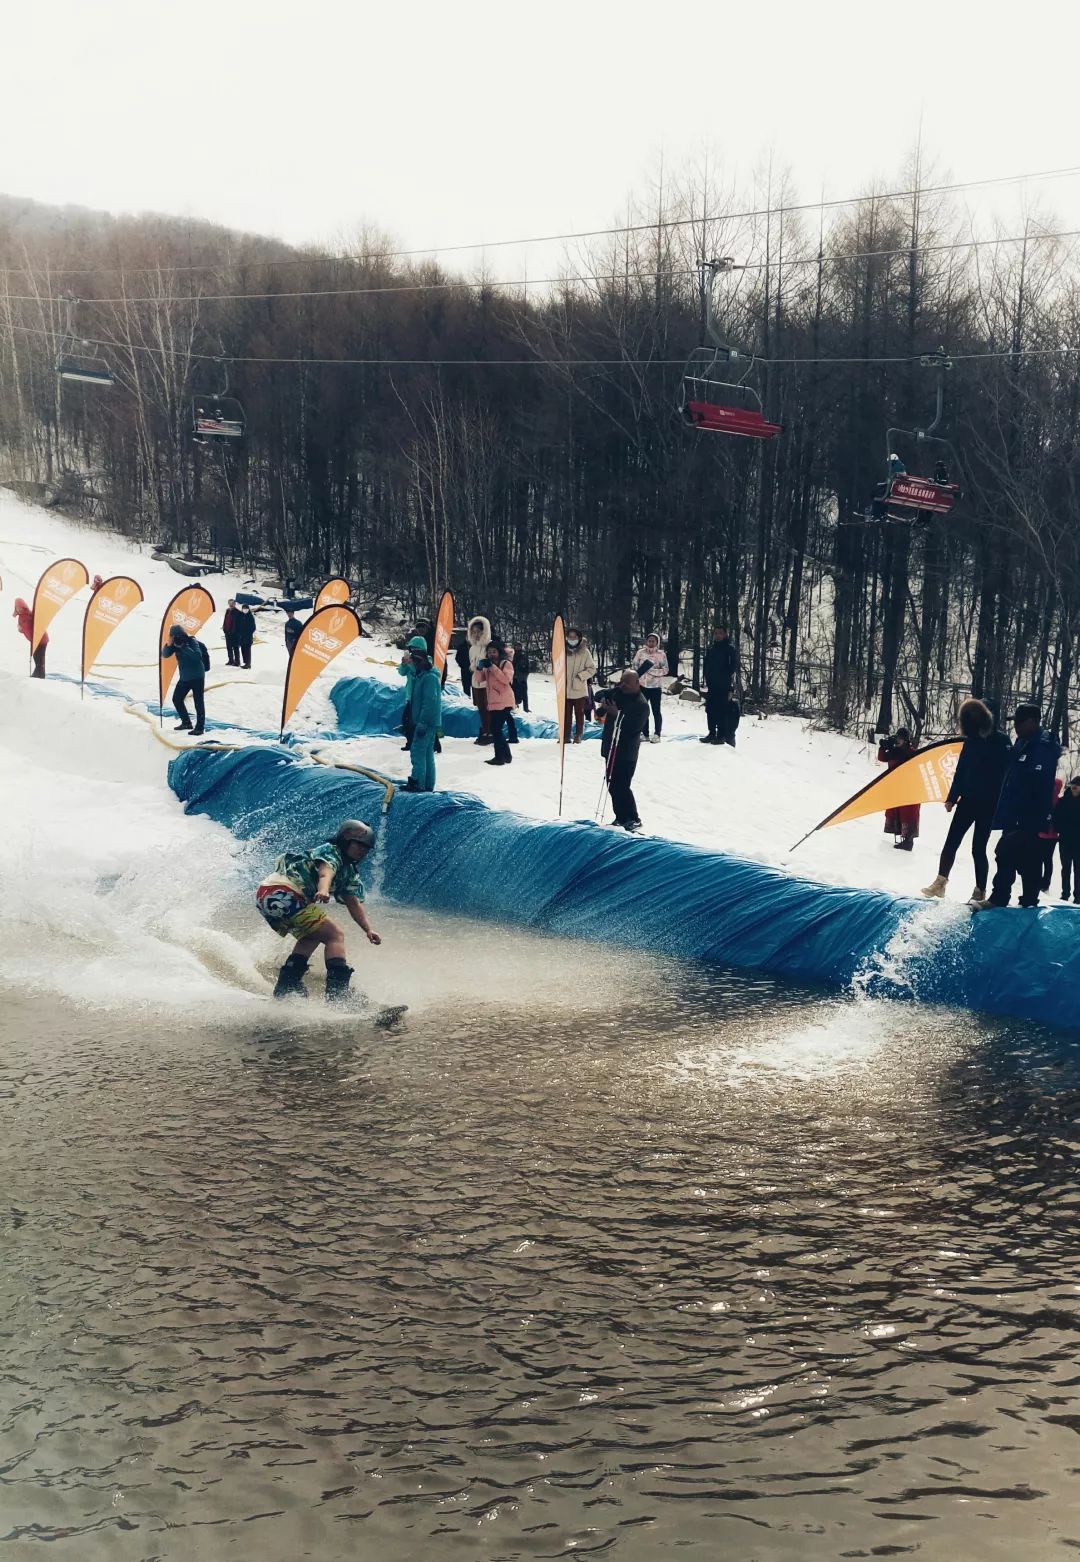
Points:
(479, 638)
(973, 796)
(651, 666)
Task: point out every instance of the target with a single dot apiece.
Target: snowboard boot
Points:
(978, 897)
(936, 891)
(338, 976)
(290, 979)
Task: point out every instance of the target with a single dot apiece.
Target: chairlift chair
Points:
(74, 361)
(715, 395)
(920, 465)
(217, 416)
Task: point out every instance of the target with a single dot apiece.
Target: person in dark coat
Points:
(719, 670)
(192, 663)
(293, 627)
(522, 668)
(461, 656)
(626, 711)
(1048, 839)
(1022, 810)
(1067, 825)
(228, 625)
(902, 822)
(245, 634)
(976, 786)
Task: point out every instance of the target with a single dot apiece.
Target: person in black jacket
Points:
(721, 665)
(245, 633)
(625, 711)
(1067, 825)
(293, 627)
(973, 796)
(461, 656)
(192, 664)
(1023, 809)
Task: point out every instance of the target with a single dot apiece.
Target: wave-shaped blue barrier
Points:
(452, 853)
(369, 707)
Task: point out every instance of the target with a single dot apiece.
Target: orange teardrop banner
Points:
(190, 608)
(924, 778)
(58, 585)
(558, 668)
(326, 634)
(108, 607)
(444, 628)
(335, 593)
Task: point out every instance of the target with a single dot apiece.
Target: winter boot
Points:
(978, 897)
(936, 891)
(183, 726)
(290, 979)
(412, 785)
(905, 844)
(338, 976)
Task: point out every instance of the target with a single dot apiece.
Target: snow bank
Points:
(451, 853)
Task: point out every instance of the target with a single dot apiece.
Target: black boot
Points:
(338, 976)
(412, 785)
(290, 979)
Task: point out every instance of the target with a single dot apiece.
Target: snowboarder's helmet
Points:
(355, 830)
(417, 643)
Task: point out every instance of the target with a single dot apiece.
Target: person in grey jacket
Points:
(192, 662)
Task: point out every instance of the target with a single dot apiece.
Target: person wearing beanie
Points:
(973, 795)
(425, 716)
(651, 666)
(292, 900)
(1022, 810)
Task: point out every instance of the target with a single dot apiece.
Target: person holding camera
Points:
(651, 666)
(901, 822)
(499, 671)
(625, 712)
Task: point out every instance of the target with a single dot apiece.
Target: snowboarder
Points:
(192, 663)
(1022, 810)
(1067, 825)
(720, 666)
(293, 627)
(245, 633)
(228, 626)
(26, 627)
(425, 716)
(973, 795)
(626, 712)
(650, 664)
(902, 822)
(580, 667)
(292, 900)
(499, 676)
(479, 638)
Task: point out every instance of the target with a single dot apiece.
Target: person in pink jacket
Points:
(499, 680)
(650, 664)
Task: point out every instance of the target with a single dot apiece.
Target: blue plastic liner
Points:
(368, 707)
(452, 853)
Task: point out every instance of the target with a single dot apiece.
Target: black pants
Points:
(407, 725)
(39, 663)
(964, 816)
(194, 687)
(654, 696)
(716, 704)
(1018, 851)
(1070, 869)
(620, 776)
(1048, 848)
(244, 649)
(232, 648)
(500, 719)
(521, 693)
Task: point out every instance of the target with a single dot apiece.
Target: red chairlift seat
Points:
(749, 422)
(217, 417)
(910, 492)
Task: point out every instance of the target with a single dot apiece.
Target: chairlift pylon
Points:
(921, 466)
(215, 415)
(715, 395)
(82, 366)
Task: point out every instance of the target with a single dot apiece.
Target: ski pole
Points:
(616, 733)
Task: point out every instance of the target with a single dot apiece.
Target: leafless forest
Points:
(412, 428)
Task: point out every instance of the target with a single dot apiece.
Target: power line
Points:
(542, 363)
(519, 283)
(574, 236)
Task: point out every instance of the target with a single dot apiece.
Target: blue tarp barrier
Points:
(452, 853)
(368, 707)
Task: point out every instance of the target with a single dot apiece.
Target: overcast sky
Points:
(456, 123)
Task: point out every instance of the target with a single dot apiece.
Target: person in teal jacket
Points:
(425, 711)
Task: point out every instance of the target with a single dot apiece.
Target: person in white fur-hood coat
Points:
(479, 638)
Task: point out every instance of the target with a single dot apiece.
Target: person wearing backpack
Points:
(192, 665)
